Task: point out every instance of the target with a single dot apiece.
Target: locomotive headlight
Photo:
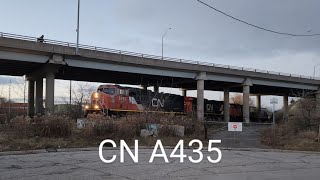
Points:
(87, 107)
(96, 107)
(96, 95)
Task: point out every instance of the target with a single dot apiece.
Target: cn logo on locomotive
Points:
(157, 102)
(209, 107)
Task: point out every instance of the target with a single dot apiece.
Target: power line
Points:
(256, 26)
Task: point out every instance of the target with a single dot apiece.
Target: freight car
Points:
(115, 99)
(13, 108)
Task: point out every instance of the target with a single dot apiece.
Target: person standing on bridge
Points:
(41, 39)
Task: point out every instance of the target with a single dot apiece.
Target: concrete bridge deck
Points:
(22, 55)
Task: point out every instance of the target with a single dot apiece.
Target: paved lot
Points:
(234, 165)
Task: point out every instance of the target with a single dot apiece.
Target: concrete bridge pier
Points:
(35, 91)
(49, 92)
(184, 92)
(201, 77)
(30, 98)
(39, 96)
(246, 99)
(318, 103)
(226, 105)
(258, 103)
(145, 87)
(156, 88)
(285, 106)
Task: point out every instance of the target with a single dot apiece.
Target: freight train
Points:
(116, 99)
(13, 108)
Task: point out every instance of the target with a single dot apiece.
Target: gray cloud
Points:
(197, 28)
(198, 33)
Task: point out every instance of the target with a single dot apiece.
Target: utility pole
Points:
(78, 22)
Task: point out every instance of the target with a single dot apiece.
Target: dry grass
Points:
(299, 131)
(283, 137)
(22, 133)
(128, 127)
(52, 126)
(44, 126)
(3, 119)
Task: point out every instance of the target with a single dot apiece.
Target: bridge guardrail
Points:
(115, 51)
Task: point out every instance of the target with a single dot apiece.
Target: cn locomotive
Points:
(116, 99)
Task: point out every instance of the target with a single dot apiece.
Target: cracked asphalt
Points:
(234, 165)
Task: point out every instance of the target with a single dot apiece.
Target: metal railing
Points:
(147, 56)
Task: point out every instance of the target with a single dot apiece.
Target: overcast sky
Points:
(198, 33)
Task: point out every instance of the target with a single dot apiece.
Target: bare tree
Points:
(238, 99)
(17, 93)
(81, 94)
(303, 113)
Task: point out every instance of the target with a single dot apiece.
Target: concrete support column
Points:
(201, 77)
(246, 99)
(39, 96)
(184, 92)
(49, 92)
(318, 103)
(145, 87)
(156, 88)
(258, 103)
(30, 98)
(200, 99)
(285, 105)
(226, 105)
(246, 105)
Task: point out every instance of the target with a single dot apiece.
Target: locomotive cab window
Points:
(124, 92)
(109, 91)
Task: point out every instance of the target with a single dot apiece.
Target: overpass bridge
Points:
(51, 59)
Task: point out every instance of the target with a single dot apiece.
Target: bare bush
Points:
(167, 131)
(275, 137)
(126, 127)
(52, 126)
(20, 125)
(311, 135)
(44, 126)
(98, 125)
(299, 131)
(303, 114)
(3, 119)
(129, 126)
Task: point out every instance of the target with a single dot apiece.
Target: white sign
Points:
(81, 123)
(273, 101)
(234, 126)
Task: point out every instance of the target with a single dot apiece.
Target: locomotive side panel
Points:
(155, 101)
(213, 110)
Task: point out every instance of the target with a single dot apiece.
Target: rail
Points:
(101, 49)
